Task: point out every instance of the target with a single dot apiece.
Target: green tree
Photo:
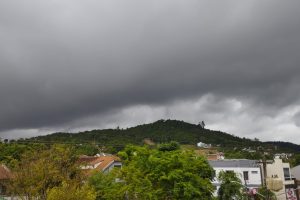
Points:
(71, 191)
(10, 153)
(171, 146)
(39, 171)
(86, 149)
(231, 186)
(264, 193)
(295, 160)
(108, 186)
(154, 174)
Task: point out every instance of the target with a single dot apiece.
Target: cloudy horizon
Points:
(79, 65)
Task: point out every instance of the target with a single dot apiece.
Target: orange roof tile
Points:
(4, 172)
(98, 162)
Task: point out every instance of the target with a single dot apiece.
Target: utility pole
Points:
(264, 163)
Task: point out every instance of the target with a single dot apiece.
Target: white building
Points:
(203, 145)
(248, 171)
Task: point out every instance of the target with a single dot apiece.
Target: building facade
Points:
(248, 171)
(279, 179)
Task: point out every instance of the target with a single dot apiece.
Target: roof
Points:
(4, 172)
(296, 172)
(97, 162)
(240, 163)
(86, 159)
(212, 157)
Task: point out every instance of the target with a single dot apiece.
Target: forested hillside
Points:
(163, 131)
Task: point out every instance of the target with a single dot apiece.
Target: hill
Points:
(163, 131)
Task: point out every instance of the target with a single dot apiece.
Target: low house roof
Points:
(296, 172)
(233, 163)
(86, 159)
(5, 173)
(98, 162)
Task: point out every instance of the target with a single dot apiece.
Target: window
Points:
(214, 174)
(117, 166)
(229, 171)
(286, 172)
(246, 175)
(254, 172)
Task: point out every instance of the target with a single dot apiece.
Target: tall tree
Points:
(72, 191)
(166, 174)
(37, 172)
(231, 186)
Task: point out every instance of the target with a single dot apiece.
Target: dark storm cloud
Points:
(62, 61)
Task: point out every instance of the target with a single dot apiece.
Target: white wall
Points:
(113, 165)
(254, 178)
(254, 175)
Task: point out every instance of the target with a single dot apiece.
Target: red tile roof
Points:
(4, 172)
(99, 163)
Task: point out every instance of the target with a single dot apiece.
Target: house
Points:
(295, 171)
(279, 178)
(283, 155)
(203, 145)
(103, 163)
(5, 176)
(248, 171)
(249, 150)
(215, 156)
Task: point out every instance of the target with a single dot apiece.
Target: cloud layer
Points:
(68, 65)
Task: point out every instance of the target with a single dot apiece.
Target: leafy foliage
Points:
(39, 171)
(295, 160)
(265, 193)
(230, 187)
(11, 153)
(106, 186)
(154, 174)
(169, 146)
(71, 191)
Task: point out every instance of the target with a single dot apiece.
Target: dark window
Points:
(286, 172)
(246, 175)
(229, 171)
(214, 174)
(254, 172)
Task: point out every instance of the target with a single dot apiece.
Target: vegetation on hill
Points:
(163, 131)
(159, 132)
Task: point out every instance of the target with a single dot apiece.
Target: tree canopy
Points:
(158, 174)
(231, 186)
(39, 171)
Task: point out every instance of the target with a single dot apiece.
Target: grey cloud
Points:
(64, 61)
(297, 119)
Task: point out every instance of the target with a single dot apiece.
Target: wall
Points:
(276, 170)
(254, 178)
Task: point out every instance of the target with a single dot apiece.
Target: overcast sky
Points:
(70, 65)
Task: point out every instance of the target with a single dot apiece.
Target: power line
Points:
(67, 143)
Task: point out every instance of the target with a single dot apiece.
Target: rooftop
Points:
(4, 172)
(100, 162)
(233, 163)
